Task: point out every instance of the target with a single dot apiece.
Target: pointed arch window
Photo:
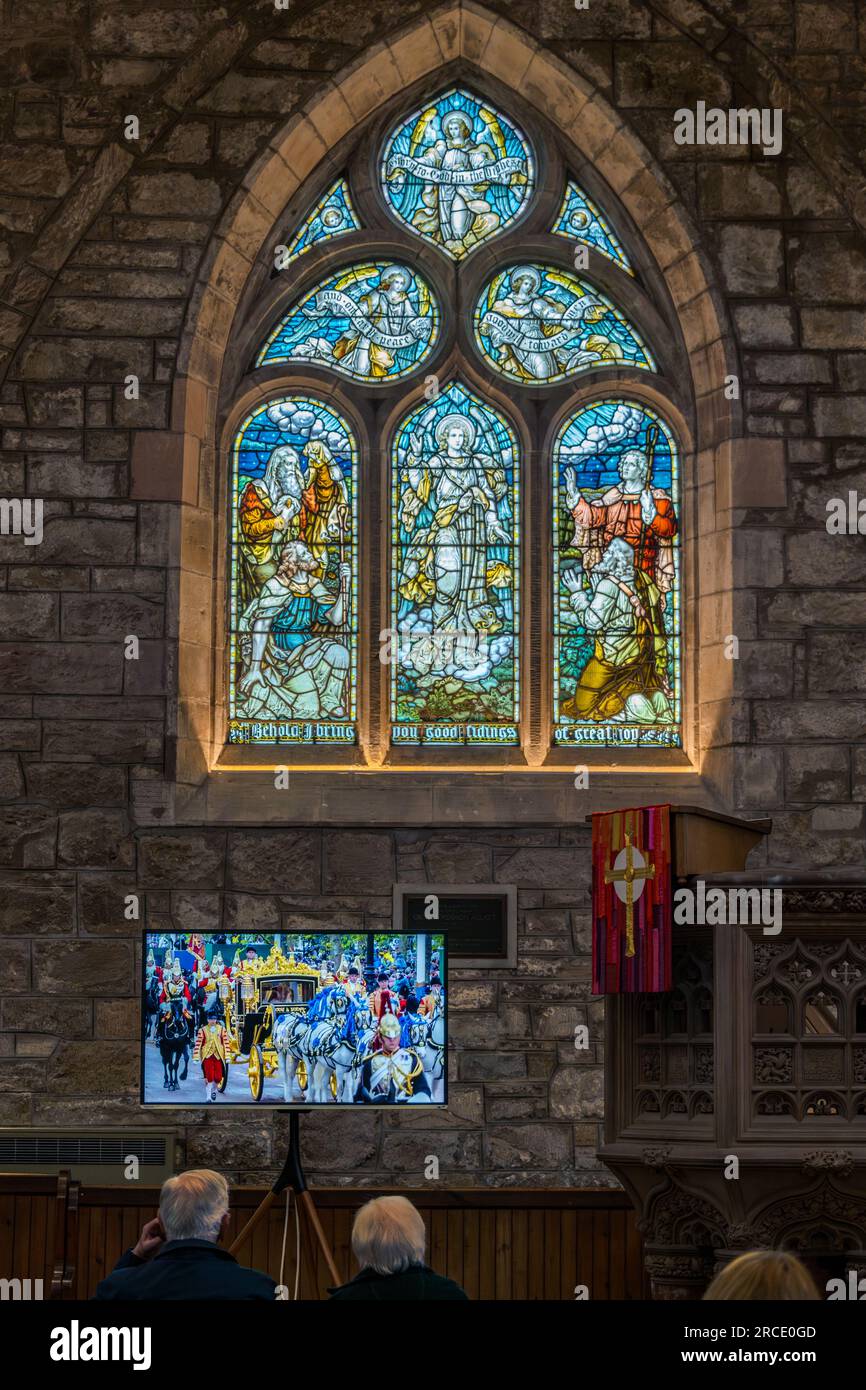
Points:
(455, 508)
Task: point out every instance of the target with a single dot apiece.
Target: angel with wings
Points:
(460, 214)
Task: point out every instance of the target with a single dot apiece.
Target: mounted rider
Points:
(392, 1074)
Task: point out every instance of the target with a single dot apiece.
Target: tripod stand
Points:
(292, 1177)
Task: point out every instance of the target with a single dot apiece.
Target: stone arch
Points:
(459, 32)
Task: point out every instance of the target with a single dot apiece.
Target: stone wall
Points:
(524, 1103)
(101, 242)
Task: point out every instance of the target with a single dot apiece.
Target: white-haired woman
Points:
(388, 1241)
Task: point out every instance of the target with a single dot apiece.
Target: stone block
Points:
(739, 190)
(491, 1066)
(67, 1018)
(837, 663)
(117, 1018)
(541, 868)
(83, 968)
(102, 903)
(276, 861)
(757, 778)
(98, 1068)
(456, 861)
(819, 559)
(95, 838)
(828, 267)
(818, 772)
(21, 1076)
(37, 904)
(577, 1092)
(471, 994)
(354, 1143)
(752, 259)
(113, 617)
(174, 194)
(181, 859)
(407, 1150)
(528, 1146)
(357, 861)
(249, 912)
(833, 328)
(767, 325)
(557, 1020)
(84, 668)
(804, 720)
(669, 74)
(97, 739)
(28, 837)
(15, 966)
(835, 415)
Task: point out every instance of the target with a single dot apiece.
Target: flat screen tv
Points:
(289, 1019)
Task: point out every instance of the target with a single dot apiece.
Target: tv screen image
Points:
(323, 1018)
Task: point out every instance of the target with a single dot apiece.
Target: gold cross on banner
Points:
(629, 875)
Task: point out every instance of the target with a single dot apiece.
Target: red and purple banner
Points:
(631, 945)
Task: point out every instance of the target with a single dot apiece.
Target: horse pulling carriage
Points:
(266, 990)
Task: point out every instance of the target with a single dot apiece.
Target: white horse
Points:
(433, 1053)
(289, 1038)
(327, 1050)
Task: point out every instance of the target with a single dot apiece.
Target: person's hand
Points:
(572, 491)
(150, 1241)
(572, 581)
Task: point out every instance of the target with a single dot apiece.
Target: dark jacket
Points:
(185, 1269)
(414, 1283)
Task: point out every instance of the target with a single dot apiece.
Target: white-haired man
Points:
(388, 1242)
(625, 678)
(177, 1255)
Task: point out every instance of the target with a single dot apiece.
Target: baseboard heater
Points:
(100, 1158)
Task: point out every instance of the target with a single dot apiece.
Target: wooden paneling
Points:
(497, 1245)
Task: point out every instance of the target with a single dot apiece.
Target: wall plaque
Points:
(480, 920)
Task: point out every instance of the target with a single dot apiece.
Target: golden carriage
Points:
(264, 989)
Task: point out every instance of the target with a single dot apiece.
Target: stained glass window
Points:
(580, 220)
(537, 324)
(371, 322)
(457, 172)
(332, 216)
(373, 328)
(616, 579)
(455, 541)
(294, 565)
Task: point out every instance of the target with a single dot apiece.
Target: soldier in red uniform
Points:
(211, 1049)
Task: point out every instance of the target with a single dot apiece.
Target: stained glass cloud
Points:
(332, 216)
(371, 322)
(537, 324)
(294, 566)
(455, 543)
(617, 600)
(580, 220)
(457, 172)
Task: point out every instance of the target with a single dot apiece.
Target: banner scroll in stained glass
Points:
(617, 600)
(537, 325)
(293, 640)
(371, 322)
(455, 542)
(457, 172)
